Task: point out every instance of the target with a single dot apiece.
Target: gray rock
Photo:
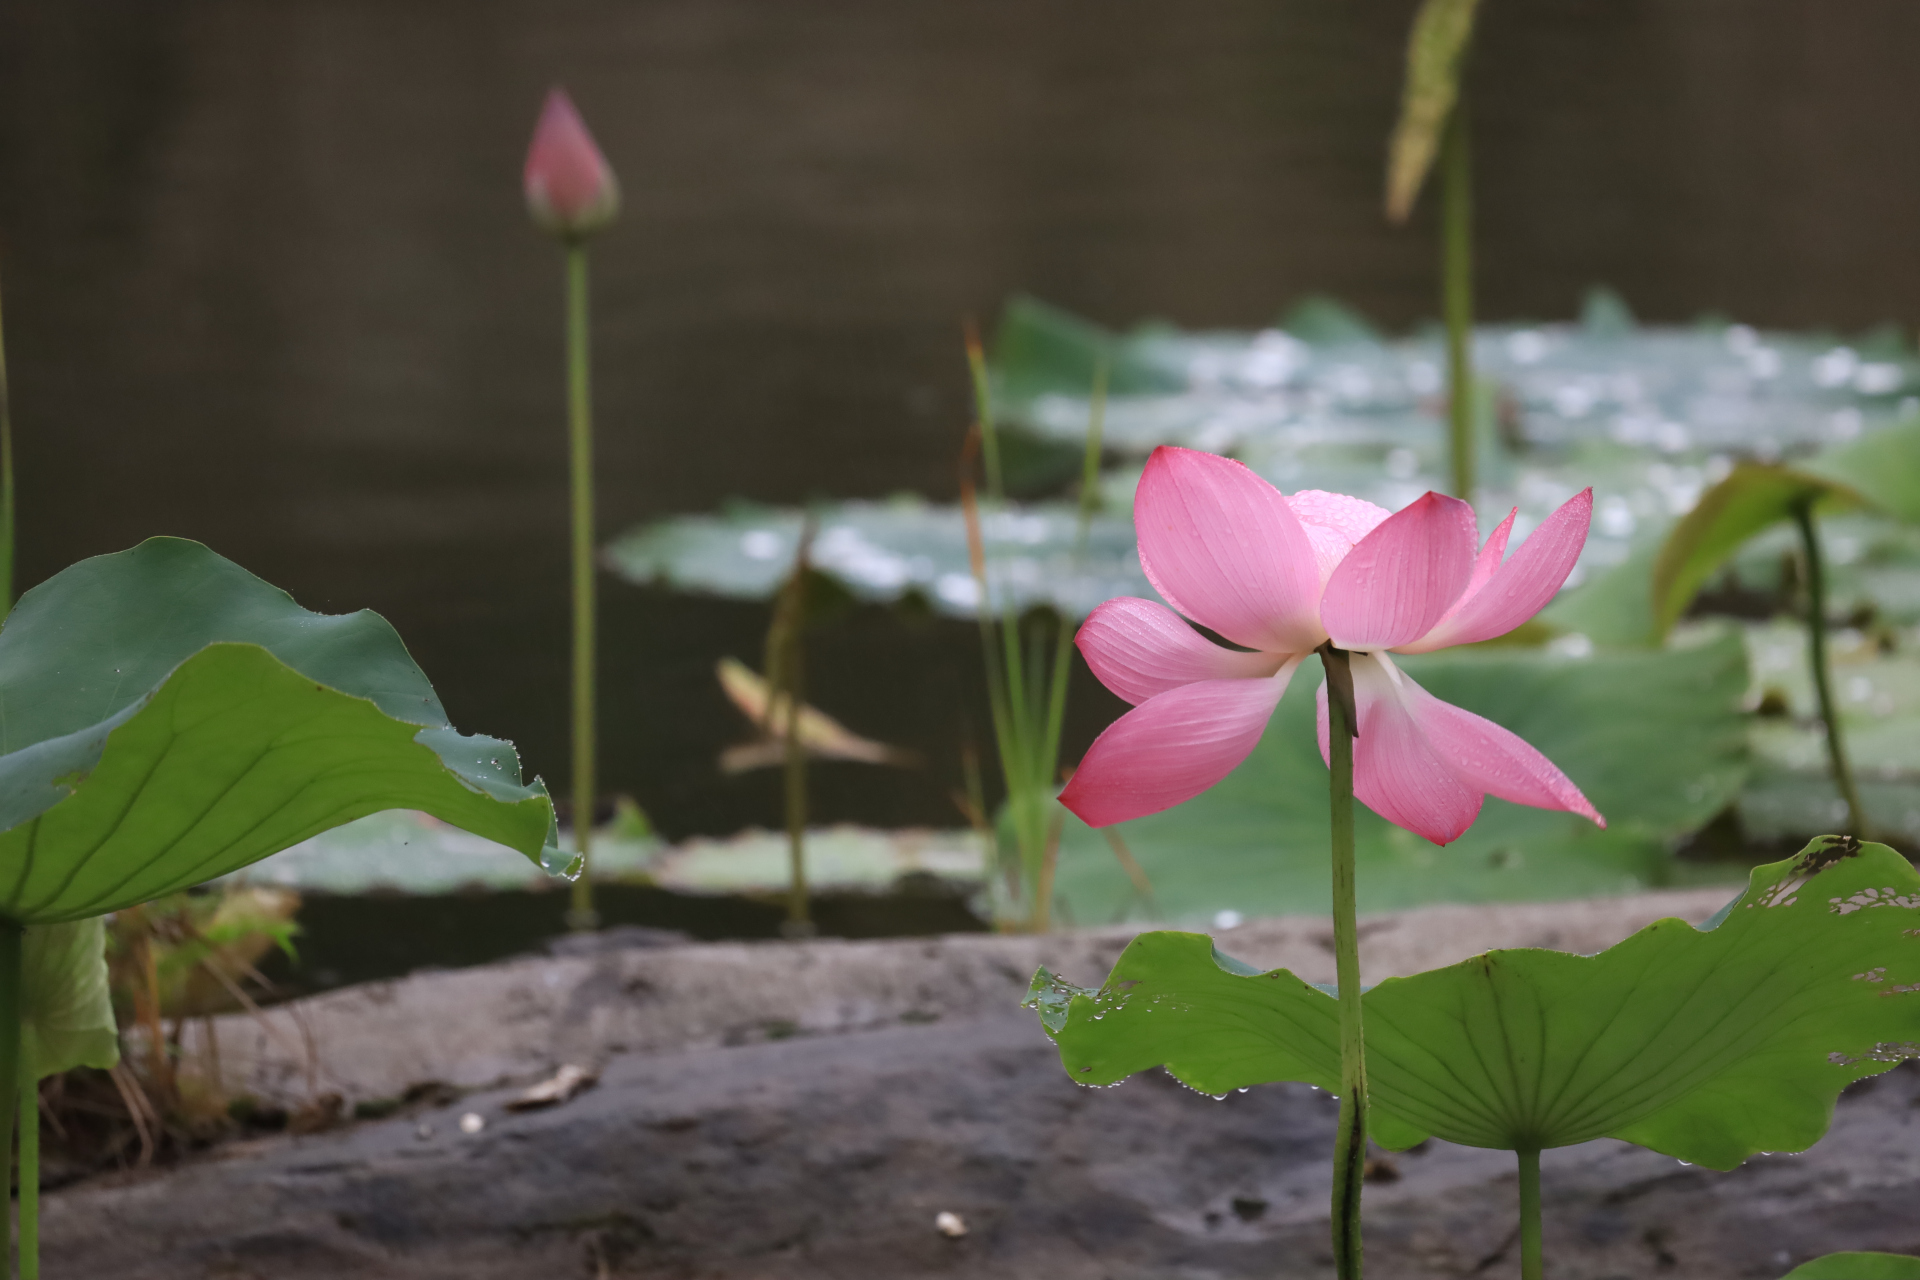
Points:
(894, 1094)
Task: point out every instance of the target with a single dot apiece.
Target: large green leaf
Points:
(1435, 51)
(1655, 739)
(1753, 497)
(66, 1016)
(1858, 1266)
(1706, 1044)
(166, 718)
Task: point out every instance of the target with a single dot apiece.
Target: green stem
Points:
(798, 917)
(1530, 1258)
(1817, 659)
(1350, 1144)
(1456, 259)
(580, 431)
(6, 485)
(29, 1175)
(11, 1010)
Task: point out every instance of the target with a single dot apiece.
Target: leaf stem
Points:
(580, 432)
(1530, 1257)
(1817, 659)
(1350, 1144)
(786, 656)
(6, 484)
(29, 1174)
(1456, 277)
(11, 1011)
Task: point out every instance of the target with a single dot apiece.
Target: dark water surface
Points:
(269, 283)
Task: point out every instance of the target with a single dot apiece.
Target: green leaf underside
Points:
(234, 757)
(1654, 739)
(67, 1011)
(883, 551)
(1707, 1045)
(169, 718)
(1858, 1266)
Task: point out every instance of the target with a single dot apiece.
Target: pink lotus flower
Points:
(570, 188)
(1278, 576)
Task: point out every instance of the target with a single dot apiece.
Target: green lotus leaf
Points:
(167, 717)
(1706, 1044)
(66, 1016)
(1858, 1266)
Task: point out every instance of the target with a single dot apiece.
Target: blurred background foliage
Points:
(269, 276)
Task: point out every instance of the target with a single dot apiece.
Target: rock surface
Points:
(810, 1109)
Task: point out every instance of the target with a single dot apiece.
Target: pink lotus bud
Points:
(571, 189)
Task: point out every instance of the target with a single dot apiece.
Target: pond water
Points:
(269, 283)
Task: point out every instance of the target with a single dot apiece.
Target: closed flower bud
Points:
(571, 189)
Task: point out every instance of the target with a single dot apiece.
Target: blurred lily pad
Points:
(1649, 416)
(839, 857)
(1790, 792)
(884, 551)
(1655, 739)
(404, 851)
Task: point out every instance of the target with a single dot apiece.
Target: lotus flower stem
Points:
(799, 916)
(1350, 1149)
(29, 1175)
(580, 429)
(571, 192)
(1456, 258)
(12, 938)
(6, 484)
(786, 679)
(1530, 1257)
(1817, 660)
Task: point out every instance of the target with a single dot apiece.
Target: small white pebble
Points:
(472, 1122)
(950, 1225)
(423, 1132)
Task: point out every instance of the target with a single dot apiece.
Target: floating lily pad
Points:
(406, 851)
(841, 857)
(1655, 739)
(1674, 390)
(1708, 1045)
(882, 551)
